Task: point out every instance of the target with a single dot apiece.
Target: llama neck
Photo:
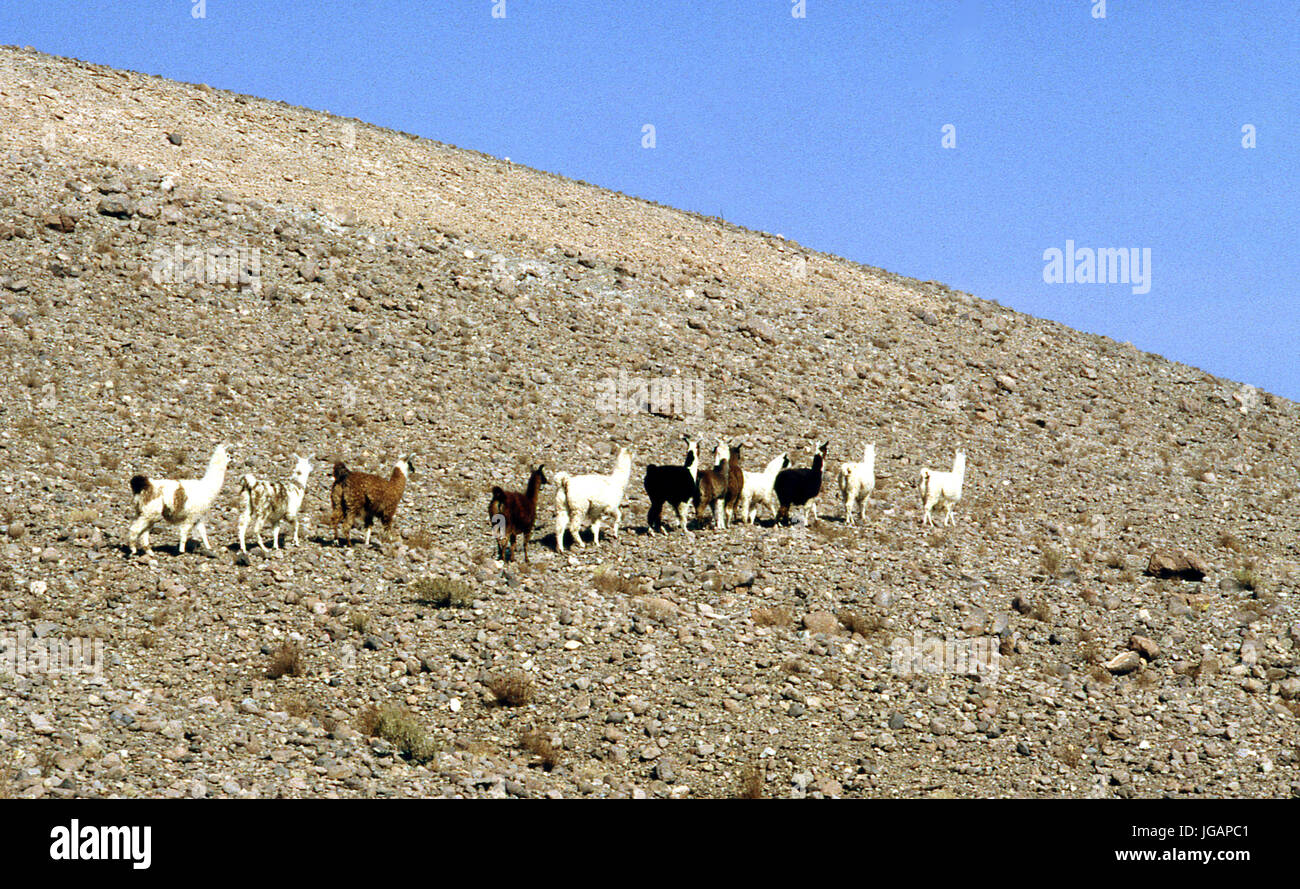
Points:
(623, 469)
(216, 470)
(297, 490)
(534, 485)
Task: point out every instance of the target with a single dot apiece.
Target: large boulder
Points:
(1176, 564)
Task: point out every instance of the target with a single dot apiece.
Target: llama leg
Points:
(850, 508)
(185, 537)
(203, 534)
(948, 519)
(275, 536)
(561, 525)
(243, 528)
(138, 535)
(618, 517)
(595, 531)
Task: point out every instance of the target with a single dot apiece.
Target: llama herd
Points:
(717, 493)
(354, 496)
(721, 491)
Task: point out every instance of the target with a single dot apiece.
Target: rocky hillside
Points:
(181, 266)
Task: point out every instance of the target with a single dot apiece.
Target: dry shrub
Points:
(1248, 578)
(286, 661)
(1051, 561)
(1071, 754)
(539, 743)
(1231, 541)
(296, 708)
(401, 728)
(443, 592)
(795, 665)
(367, 721)
(830, 532)
(419, 539)
(611, 582)
(750, 783)
(863, 624)
(772, 617)
(513, 689)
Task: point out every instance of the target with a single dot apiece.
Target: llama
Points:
(857, 481)
(594, 498)
(263, 502)
(512, 513)
(735, 482)
(758, 488)
(360, 495)
(185, 502)
(938, 487)
(673, 485)
(713, 487)
(797, 487)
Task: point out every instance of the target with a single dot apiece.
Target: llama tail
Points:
(340, 471)
(139, 484)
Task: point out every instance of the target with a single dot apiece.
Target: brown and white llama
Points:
(183, 502)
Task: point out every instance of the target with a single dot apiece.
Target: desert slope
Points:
(410, 297)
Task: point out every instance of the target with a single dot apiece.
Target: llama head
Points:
(869, 452)
(301, 469)
(406, 466)
(540, 474)
(959, 462)
(220, 458)
(721, 452)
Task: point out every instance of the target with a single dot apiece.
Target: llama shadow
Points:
(167, 549)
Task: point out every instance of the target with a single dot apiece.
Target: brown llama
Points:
(735, 482)
(713, 484)
(512, 513)
(360, 495)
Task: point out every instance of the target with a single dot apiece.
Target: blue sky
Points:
(1115, 132)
